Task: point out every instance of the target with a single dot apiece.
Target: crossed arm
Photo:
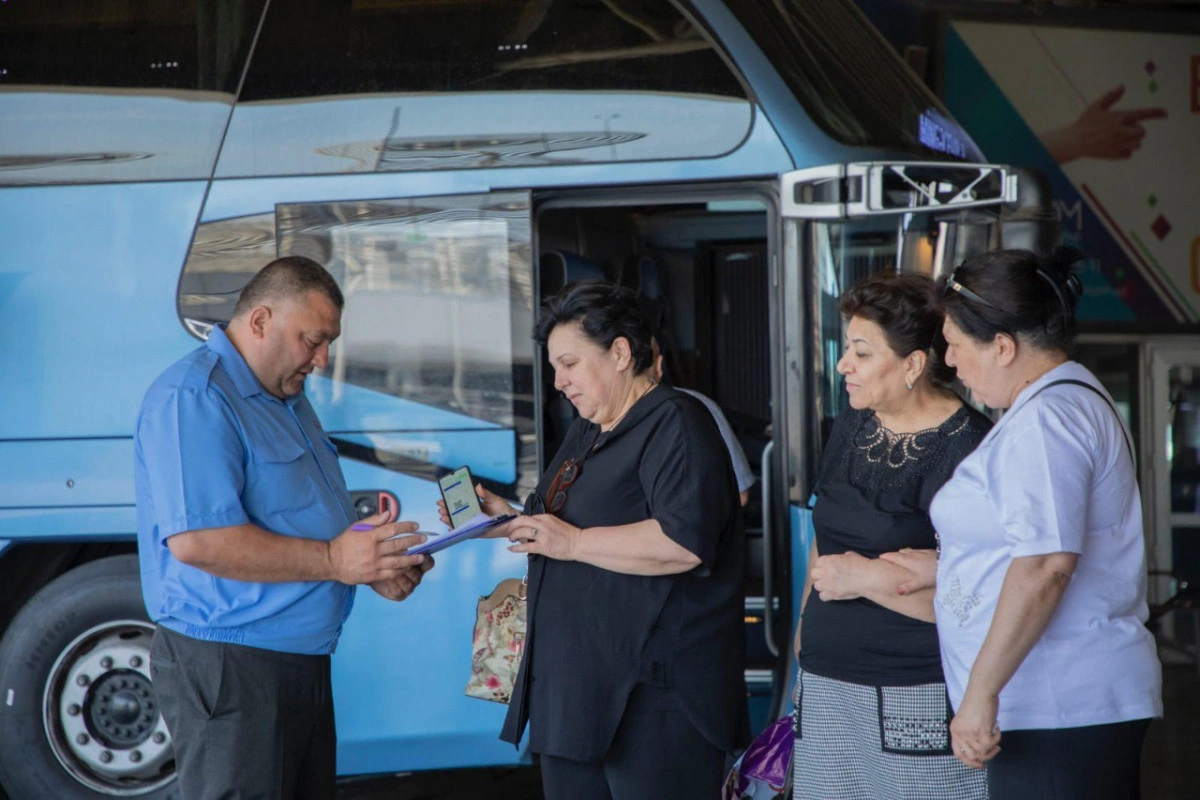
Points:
(846, 576)
(849, 575)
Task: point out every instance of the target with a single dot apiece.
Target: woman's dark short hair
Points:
(1017, 292)
(605, 311)
(907, 308)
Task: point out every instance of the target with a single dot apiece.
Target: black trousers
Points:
(1096, 762)
(657, 753)
(245, 722)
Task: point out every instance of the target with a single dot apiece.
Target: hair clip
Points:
(1071, 283)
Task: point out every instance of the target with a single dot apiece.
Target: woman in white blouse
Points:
(1041, 577)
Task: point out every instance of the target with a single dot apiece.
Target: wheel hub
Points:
(120, 708)
(102, 718)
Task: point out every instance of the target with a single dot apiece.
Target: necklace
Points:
(617, 421)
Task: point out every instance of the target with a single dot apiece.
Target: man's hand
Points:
(404, 584)
(367, 556)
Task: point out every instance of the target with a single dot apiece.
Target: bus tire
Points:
(78, 718)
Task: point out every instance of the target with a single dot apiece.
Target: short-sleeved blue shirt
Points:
(213, 449)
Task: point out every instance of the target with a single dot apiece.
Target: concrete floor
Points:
(471, 784)
(1171, 757)
(1170, 760)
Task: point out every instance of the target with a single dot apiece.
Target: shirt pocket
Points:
(280, 478)
(331, 464)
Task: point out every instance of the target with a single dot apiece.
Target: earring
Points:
(909, 385)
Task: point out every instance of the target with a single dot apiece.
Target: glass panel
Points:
(1183, 440)
(106, 91)
(1183, 468)
(224, 256)
(369, 46)
(848, 77)
(1117, 367)
(1183, 446)
(846, 252)
(434, 368)
(843, 253)
(384, 86)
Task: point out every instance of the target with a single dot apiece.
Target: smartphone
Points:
(458, 492)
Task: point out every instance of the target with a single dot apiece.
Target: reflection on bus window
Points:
(101, 92)
(439, 291)
(386, 86)
(849, 79)
(318, 48)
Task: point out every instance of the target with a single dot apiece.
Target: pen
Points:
(365, 526)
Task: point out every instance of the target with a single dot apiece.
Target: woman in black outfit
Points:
(632, 682)
(872, 714)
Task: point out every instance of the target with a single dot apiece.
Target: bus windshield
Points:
(849, 79)
(846, 251)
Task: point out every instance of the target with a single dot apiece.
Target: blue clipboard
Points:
(476, 526)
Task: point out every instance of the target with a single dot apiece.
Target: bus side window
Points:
(386, 87)
(434, 365)
(117, 92)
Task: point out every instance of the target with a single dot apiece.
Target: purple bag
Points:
(762, 772)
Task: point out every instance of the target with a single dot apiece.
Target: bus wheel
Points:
(78, 717)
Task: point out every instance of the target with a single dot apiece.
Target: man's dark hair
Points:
(906, 307)
(1017, 292)
(287, 278)
(605, 311)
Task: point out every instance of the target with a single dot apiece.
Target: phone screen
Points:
(458, 490)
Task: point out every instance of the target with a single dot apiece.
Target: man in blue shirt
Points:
(248, 545)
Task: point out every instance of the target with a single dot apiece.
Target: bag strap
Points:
(1107, 402)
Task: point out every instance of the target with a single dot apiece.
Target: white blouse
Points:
(1053, 475)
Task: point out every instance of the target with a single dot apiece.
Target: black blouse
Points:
(873, 497)
(593, 634)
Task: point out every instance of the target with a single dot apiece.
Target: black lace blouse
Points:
(873, 496)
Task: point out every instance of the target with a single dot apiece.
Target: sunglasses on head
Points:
(954, 286)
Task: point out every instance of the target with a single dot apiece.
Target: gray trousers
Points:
(245, 722)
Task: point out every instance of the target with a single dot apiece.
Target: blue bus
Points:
(737, 163)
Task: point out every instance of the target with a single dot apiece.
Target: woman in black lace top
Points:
(872, 718)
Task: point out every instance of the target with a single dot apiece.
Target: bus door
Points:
(841, 223)
(702, 259)
(1170, 472)
(1154, 381)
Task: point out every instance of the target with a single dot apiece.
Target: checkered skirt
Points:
(858, 742)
